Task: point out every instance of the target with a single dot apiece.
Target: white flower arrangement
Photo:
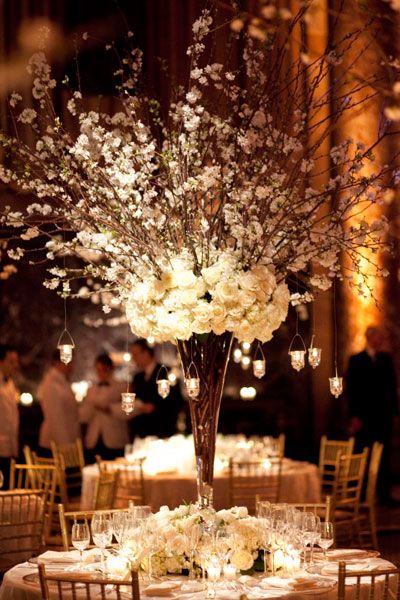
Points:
(171, 553)
(195, 222)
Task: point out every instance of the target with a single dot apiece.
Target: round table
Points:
(300, 483)
(15, 588)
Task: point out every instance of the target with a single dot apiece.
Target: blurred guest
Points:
(161, 414)
(59, 406)
(372, 402)
(107, 431)
(9, 416)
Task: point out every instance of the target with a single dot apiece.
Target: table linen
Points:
(299, 483)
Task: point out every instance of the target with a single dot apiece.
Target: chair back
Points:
(63, 586)
(253, 479)
(37, 477)
(21, 525)
(329, 452)
(105, 489)
(70, 461)
(379, 584)
(68, 518)
(130, 484)
(349, 476)
(373, 472)
(321, 509)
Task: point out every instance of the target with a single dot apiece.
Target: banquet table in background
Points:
(299, 483)
(21, 583)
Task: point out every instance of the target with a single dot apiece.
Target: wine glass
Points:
(326, 536)
(309, 528)
(192, 537)
(132, 539)
(80, 537)
(140, 512)
(118, 522)
(102, 532)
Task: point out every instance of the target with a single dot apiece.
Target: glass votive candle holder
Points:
(229, 572)
(314, 356)
(163, 387)
(66, 351)
(336, 386)
(297, 359)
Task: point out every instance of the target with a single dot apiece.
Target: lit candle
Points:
(163, 387)
(193, 386)
(117, 565)
(314, 356)
(259, 368)
(128, 402)
(297, 359)
(336, 385)
(229, 572)
(66, 353)
(214, 572)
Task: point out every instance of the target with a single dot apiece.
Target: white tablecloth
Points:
(258, 588)
(300, 483)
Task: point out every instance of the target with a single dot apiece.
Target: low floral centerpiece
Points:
(195, 218)
(172, 549)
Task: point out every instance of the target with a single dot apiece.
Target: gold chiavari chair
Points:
(321, 509)
(369, 535)
(58, 585)
(329, 452)
(37, 477)
(380, 584)
(105, 490)
(67, 518)
(69, 458)
(346, 496)
(130, 486)
(256, 478)
(21, 526)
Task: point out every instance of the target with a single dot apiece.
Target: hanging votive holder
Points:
(297, 357)
(192, 382)
(259, 363)
(65, 346)
(336, 385)
(314, 356)
(128, 402)
(163, 384)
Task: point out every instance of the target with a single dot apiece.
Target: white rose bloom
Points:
(249, 281)
(203, 311)
(226, 292)
(182, 279)
(173, 565)
(242, 560)
(212, 274)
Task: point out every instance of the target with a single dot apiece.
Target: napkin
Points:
(165, 588)
(345, 554)
(332, 569)
(50, 556)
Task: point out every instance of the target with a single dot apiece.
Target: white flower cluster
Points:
(173, 528)
(222, 297)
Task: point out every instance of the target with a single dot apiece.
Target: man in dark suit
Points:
(160, 414)
(372, 402)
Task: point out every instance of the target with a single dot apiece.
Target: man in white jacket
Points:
(107, 431)
(59, 406)
(9, 416)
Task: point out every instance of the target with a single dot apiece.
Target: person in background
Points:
(107, 425)
(59, 407)
(9, 416)
(160, 415)
(372, 402)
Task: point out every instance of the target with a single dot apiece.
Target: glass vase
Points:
(210, 354)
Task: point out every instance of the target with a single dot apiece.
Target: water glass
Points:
(80, 537)
(326, 536)
(140, 512)
(102, 532)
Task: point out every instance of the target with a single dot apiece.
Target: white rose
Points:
(246, 299)
(249, 281)
(219, 312)
(173, 565)
(182, 279)
(226, 292)
(212, 274)
(203, 312)
(242, 560)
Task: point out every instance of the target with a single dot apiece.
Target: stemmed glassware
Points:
(80, 538)
(310, 533)
(326, 536)
(192, 538)
(132, 539)
(118, 523)
(102, 532)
